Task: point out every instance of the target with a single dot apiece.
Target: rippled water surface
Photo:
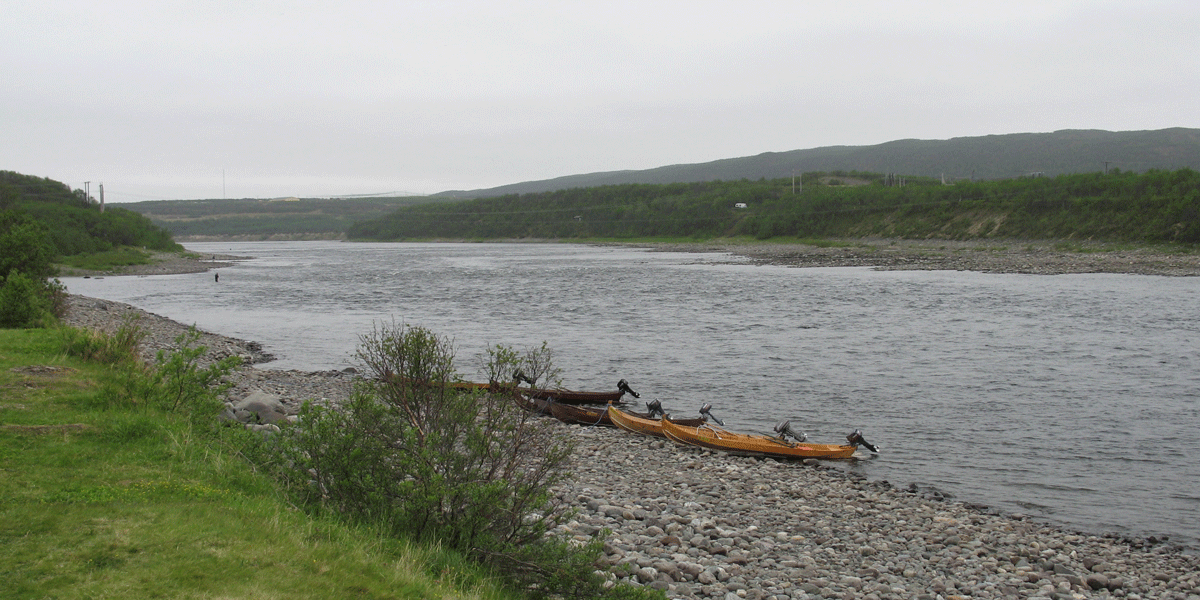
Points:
(1072, 398)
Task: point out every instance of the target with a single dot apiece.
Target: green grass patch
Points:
(110, 259)
(103, 501)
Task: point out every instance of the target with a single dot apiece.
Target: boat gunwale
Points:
(819, 451)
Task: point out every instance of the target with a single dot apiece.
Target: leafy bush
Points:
(175, 383)
(181, 384)
(413, 454)
(24, 302)
(25, 245)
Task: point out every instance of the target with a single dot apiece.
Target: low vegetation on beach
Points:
(120, 480)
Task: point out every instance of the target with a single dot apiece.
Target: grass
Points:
(110, 259)
(101, 503)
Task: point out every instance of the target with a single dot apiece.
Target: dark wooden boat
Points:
(575, 397)
(717, 438)
(643, 423)
(581, 415)
(531, 404)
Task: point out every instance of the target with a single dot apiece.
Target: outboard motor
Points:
(785, 431)
(624, 387)
(520, 376)
(654, 409)
(856, 439)
(708, 415)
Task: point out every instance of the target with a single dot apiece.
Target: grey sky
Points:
(170, 100)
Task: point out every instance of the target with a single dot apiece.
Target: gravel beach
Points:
(699, 524)
(1004, 256)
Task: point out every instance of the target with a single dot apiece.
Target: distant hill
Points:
(981, 158)
(277, 219)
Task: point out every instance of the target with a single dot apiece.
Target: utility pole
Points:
(1106, 167)
(102, 197)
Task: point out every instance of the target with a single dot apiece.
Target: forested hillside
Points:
(964, 158)
(1157, 206)
(75, 224)
(250, 218)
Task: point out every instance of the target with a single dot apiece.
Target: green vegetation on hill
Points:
(1154, 207)
(41, 221)
(76, 224)
(963, 158)
(294, 218)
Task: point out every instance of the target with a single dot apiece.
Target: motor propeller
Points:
(704, 412)
(785, 431)
(655, 409)
(624, 387)
(856, 439)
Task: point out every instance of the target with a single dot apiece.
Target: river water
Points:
(1069, 398)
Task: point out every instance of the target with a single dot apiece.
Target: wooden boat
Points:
(581, 415)
(717, 438)
(574, 397)
(530, 403)
(643, 423)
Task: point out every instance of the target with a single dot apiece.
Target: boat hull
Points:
(573, 397)
(641, 424)
(716, 438)
(531, 404)
(581, 415)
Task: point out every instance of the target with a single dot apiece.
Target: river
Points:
(1069, 398)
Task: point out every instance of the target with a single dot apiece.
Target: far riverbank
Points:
(990, 256)
(1047, 257)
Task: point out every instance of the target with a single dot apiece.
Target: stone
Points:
(266, 408)
(1097, 581)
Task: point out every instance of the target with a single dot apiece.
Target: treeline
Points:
(1151, 207)
(42, 220)
(74, 223)
(305, 218)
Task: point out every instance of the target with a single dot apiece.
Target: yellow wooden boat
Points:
(717, 438)
(643, 423)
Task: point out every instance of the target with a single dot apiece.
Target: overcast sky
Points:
(175, 100)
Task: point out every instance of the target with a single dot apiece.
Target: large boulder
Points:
(260, 407)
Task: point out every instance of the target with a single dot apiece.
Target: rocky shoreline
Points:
(706, 525)
(1004, 256)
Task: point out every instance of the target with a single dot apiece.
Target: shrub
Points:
(428, 461)
(174, 383)
(25, 245)
(24, 302)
